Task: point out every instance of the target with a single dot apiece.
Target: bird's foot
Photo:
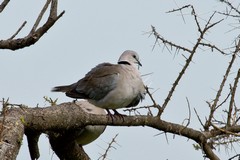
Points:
(110, 114)
(116, 114)
(119, 114)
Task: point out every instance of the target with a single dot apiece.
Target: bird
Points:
(110, 86)
(90, 133)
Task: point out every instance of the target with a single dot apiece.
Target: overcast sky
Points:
(92, 32)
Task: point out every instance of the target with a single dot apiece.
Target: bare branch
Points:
(224, 130)
(231, 6)
(214, 47)
(214, 105)
(196, 20)
(199, 119)
(20, 28)
(192, 51)
(164, 105)
(189, 115)
(3, 5)
(166, 42)
(110, 145)
(179, 9)
(232, 158)
(40, 17)
(53, 9)
(154, 102)
(233, 91)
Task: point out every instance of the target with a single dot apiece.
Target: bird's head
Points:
(129, 57)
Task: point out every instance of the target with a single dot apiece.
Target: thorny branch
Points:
(233, 12)
(201, 138)
(228, 13)
(110, 145)
(213, 107)
(207, 147)
(192, 51)
(233, 91)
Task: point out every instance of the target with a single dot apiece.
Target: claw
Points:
(110, 114)
(118, 114)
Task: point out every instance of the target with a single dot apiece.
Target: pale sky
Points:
(92, 32)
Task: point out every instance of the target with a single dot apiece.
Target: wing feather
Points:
(98, 82)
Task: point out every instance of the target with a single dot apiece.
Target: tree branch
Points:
(215, 102)
(46, 120)
(35, 34)
(3, 5)
(233, 91)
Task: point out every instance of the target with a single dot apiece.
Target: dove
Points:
(110, 86)
(90, 132)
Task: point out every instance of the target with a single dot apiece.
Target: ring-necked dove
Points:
(90, 133)
(110, 86)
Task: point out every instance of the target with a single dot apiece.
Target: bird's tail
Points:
(62, 88)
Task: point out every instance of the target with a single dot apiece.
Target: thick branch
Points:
(12, 135)
(69, 117)
(65, 146)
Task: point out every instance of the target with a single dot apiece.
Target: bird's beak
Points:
(139, 63)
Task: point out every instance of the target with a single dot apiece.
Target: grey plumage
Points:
(110, 86)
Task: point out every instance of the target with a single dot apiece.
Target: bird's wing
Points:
(99, 81)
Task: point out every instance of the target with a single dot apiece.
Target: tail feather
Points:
(61, 88)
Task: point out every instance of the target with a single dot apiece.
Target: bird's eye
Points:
(134, 56)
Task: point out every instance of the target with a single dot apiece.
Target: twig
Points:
(19, 29)
(151, 97)
(110, 145)
(189, 112)
(53, 10)
(224, 101)
(214, 47)
(164, 105)
(231, 6)
(213, 106)
(233, 91)
(198, 117)
(196, 20)
(225, 131)
(238, 155)
(136, 109)
(189, 116)
(179, 9)
(40, 17)
(164, 41)
(192, 51)
(3, 5)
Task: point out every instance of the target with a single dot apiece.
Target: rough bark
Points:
(12, 130)
(61, 123)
